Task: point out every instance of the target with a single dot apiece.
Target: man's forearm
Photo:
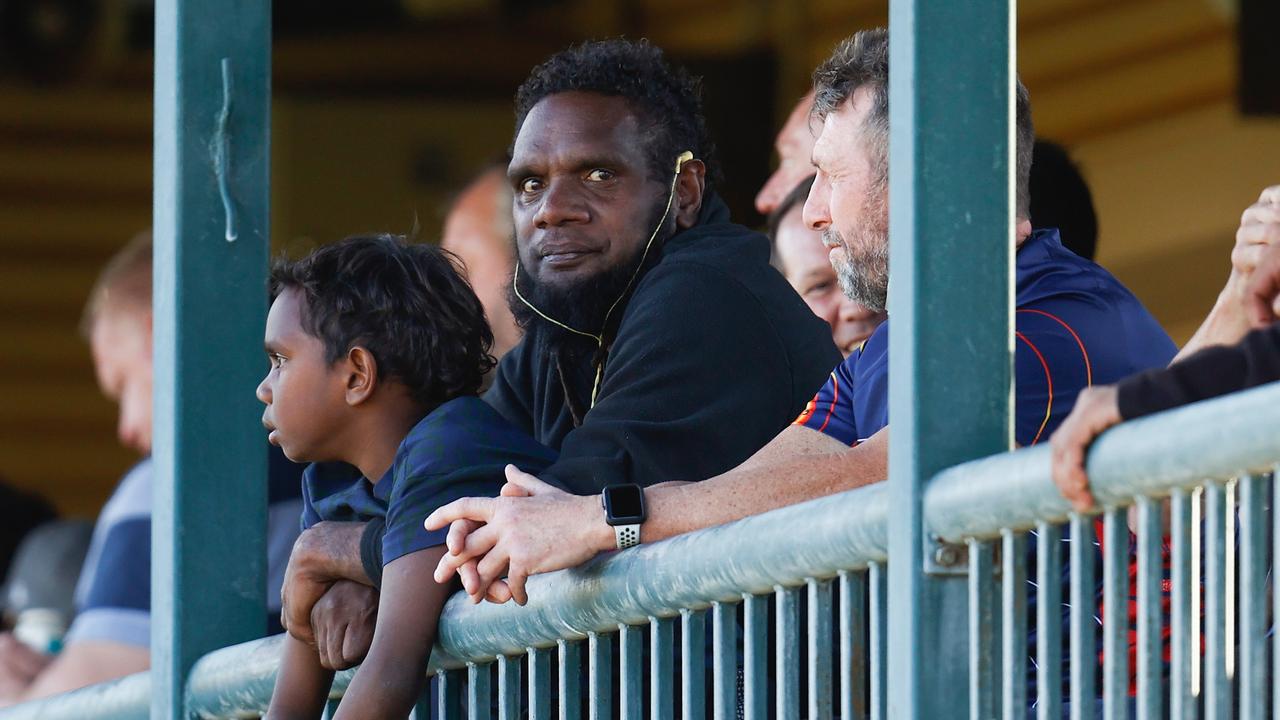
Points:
(331, 550)
(759, 487)
(1225, 324)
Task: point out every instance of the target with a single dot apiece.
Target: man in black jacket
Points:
(1220, 358)
(659, 343)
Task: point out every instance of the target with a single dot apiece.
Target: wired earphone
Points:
(683, 158)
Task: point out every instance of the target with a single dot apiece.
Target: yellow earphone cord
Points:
(684, 157)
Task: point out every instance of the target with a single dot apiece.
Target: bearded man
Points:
(1076, 326)
(659, 343)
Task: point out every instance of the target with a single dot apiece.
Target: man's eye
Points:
(819, 289)
(530, 185)
(600, 175)
(276, 359)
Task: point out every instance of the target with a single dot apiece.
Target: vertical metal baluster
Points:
(787, 645)
(1253, 596)
(1150, 660)
(878, 576)
(661, 652)
(755, 657)
(1048, 621)
(982, 631)
(819, 650)
(570, 680)
(1115, 613)
(854, 647)
(724, 662)
(1013, 636)
(1084, 624)
(539, 684)
(449, 694)
(693, 677)
(1275, 592)
(1217, 688)
(1197, 589)
(632, 691)
(508, 688)
(1229, 606)
(1181, 704)
(478, 701)
(600, 661)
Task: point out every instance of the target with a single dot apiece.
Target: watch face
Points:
(624, 504)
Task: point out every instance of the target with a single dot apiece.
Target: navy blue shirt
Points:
(1076, 326)
(458, 450)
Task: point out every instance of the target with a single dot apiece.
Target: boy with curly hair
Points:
(378, 349)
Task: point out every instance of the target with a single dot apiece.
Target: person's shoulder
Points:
(714, 242)
(132, 496)
(1047, 270)
(461, 432)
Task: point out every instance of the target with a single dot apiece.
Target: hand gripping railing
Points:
(819, 553)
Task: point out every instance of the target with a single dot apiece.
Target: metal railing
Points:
(829, 554)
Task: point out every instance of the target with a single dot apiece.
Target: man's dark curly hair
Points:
(665, 98)
(407, 304)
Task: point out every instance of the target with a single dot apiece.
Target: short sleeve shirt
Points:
(460, 449)
(1075, 325)
(113, 595)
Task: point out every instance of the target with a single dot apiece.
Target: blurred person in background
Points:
(799, 254)
(479, 230)
(1060, 198)
(110, 636)
(794, 146)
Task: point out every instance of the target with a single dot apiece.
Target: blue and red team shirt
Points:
(1075, 326)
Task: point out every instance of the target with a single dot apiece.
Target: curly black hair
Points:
(407, 304)
(666, 99)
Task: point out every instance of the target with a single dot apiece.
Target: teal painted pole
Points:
(212, 89)
(950, 296)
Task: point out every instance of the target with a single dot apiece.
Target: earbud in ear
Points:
(683, 158)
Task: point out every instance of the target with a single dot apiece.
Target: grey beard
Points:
(864, 278)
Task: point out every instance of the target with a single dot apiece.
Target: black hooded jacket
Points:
(713, 356)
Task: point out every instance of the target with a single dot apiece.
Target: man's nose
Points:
(561, 203)
(771, 194)
(264, 391)
(130, 429)
(817, 207)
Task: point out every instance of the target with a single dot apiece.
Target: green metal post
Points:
(950, 297)
(212, 89)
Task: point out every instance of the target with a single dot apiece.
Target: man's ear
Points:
(690, 185)
(362, 375)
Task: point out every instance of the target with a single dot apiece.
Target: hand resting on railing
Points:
(1251, 298)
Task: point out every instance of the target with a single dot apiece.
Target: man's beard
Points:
(584, 304)
(864, 273)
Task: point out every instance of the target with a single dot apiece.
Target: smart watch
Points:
(624, 510)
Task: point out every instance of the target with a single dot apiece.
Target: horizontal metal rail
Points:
(977, 500)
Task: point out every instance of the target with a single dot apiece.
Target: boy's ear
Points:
(362, 375)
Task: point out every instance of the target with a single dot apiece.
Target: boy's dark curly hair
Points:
(665, 98)
(407, 304)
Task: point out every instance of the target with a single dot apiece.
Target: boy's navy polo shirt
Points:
(458, 450)
(1076, 326)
